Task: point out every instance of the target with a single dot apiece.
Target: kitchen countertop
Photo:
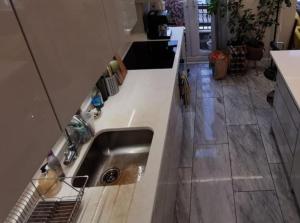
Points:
(288, 63)
(144, 101)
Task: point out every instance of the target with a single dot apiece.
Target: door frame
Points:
(191, 17)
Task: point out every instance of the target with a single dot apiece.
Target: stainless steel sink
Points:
(115, 158)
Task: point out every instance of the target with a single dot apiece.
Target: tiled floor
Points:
(230, 170)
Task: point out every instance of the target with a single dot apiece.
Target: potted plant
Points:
(247, 29)
(255, 49)
(240, 24)
(265, 18)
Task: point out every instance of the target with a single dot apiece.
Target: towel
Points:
(185, 90)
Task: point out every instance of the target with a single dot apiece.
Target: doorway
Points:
(199, 30)
(199, 26)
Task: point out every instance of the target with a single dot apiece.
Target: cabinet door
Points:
(114, 10)
(28, 125)
(285, 119)
(295, 179)
(70, 42)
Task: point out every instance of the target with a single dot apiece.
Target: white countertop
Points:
(288, 63)
(144, 100)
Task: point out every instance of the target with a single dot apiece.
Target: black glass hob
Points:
(151, 55)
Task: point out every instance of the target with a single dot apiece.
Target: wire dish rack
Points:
(36, 207)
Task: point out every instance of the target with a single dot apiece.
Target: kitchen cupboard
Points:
(114, 13)
(71, 44)
(168, 179)
(28, 124)
(285, 123)
(295, 179)
(286, 129)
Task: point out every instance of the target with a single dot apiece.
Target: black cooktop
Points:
(151, 55)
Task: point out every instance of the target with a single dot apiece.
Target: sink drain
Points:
(110, 176)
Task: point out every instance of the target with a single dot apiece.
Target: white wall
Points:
(287, 19)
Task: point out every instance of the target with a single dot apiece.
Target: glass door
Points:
(200, 30)
(198, 26)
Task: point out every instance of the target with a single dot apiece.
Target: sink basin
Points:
(116, 158)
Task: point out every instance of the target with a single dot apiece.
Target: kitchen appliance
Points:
(156, 24)
(151, 55)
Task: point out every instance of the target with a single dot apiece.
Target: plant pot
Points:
(219, 62)
(237, 58)
(255, 53)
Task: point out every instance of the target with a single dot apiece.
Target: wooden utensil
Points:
(123, 69)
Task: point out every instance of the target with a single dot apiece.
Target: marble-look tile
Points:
(212, 202)
(187, 147)
(259, 87)
(211, 163)
(260, 83)
(236, 91)
(257, 207)
(238, 107)
(207, 87)
(182, 211)
(210, 125)
(259, 99)
(235, 80)
(250, 170)
(285, 197)
(203, 65)
(264, 120)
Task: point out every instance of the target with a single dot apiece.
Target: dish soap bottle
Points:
(54, 164)
(48, 184)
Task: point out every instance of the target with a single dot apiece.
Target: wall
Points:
(287, 18)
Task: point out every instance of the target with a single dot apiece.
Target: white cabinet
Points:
(295, 178)
(71, 44)
(285, 125)
(28, 125)
(116, 13)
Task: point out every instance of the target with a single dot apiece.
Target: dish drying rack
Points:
(33, 207)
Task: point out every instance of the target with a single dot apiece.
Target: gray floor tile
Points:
(205, 192)
(212, 202)
(205, 71)
(235, 80)
(235, 91)
(210, 125)
(238, 107)
(259, 88)
(257, 207)
(259, 100)
(264, 120)
(211, 163)
(285, 197)
(182, 211)
(187, 148)
(207, 87)
(250, 170)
